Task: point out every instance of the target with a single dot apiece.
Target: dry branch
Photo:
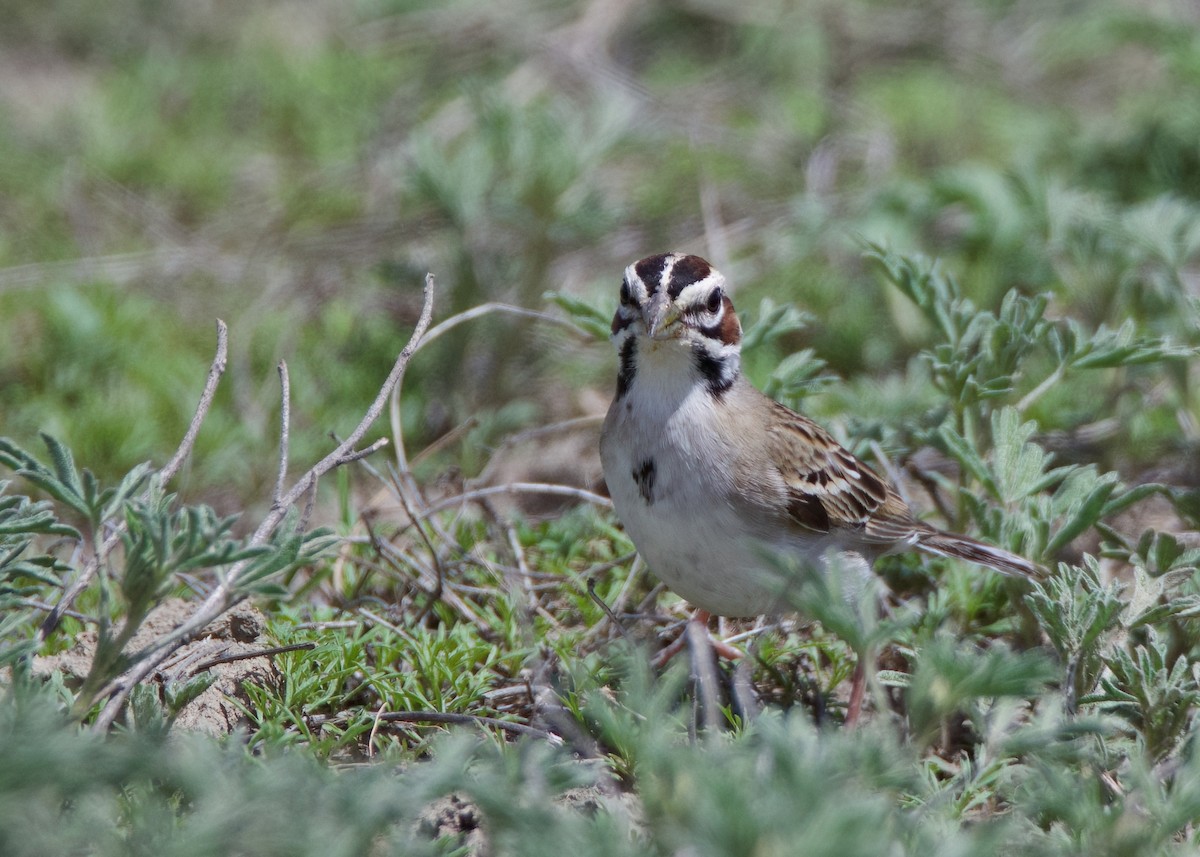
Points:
(226, 594)
(166, 474)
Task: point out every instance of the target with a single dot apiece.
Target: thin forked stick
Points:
(166, 474)
(226, 594)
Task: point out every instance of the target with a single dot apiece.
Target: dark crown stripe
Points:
(687, 270)
(650, 270)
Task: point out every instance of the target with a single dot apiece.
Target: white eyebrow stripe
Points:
(697, 291)
(636, 285)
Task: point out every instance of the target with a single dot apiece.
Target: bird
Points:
(710, 476)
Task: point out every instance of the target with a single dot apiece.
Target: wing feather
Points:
(829, 490)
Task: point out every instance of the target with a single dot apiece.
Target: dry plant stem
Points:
(376, 619)
(360, 454)
(256, 653)
(403, 485)
(715, 236)
(439, 571)
(514, 544)
(515, 488)
(309, 504)
(285, 422)
(48, 608)
(459, 719)
(533, 434)
(450, 437)
(226, 594)
(166, 474)
(423, 574)
(704, 674)
(450, 323)
(609, 613)
(375, 730)
(403, 480)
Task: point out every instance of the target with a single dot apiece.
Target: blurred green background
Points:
(296, 167)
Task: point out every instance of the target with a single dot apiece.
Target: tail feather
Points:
(961, 547)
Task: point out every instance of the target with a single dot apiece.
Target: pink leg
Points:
(722, 649)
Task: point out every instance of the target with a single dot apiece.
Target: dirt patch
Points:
(454, 819)
(457, 822)
(235, 633)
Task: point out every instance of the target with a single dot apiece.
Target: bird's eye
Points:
(626, 294)
(714, 301)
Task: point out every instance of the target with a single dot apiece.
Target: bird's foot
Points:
(723, 649)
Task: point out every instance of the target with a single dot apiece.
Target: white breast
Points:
(669, 471)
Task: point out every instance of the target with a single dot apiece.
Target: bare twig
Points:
(309, 504)
(447, 717)
(444, 327)
(704, 675)
(215, 371)
(488, 308)
(715, 236)
(445, 440)
(608, 611)
(514, 544)
(381, 622)
(743, 692)
(285, 422)
(166, 474)
(375, 730)
(349, 457)
(515, 488)
(760, 628)
(226, 594)
(48, 608)
(461, 606)
(439, 571)
(254, 653)
(531, 434)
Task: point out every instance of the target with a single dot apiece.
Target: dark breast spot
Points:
(643, 475)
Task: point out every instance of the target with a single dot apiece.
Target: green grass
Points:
(965, 236)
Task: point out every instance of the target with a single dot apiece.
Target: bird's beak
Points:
(661, 314)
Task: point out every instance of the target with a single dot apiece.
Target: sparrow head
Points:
(675, 306)
(676, 297)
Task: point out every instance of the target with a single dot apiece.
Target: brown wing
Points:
(828, 489)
